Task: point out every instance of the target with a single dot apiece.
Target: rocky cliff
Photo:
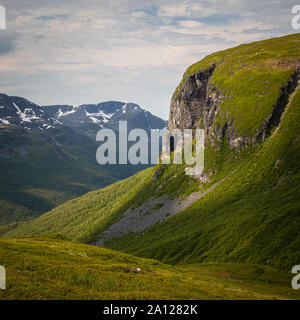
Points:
(226, 107)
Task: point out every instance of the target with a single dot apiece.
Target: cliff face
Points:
(238, 96)
(192, 101)
(197, 104)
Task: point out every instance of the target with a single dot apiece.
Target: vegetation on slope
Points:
(84, 218)
(53, 269)
(252, 216)
(43, 170)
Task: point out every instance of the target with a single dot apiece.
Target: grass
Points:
(84, 217)
(252, 217)
(39, 269)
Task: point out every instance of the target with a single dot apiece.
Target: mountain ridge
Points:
(104, 115)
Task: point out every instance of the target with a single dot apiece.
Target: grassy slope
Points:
(253, 216)
(48, 269)
(84, 217)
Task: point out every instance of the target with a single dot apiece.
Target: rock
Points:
(237, 143)
(157, 173)
(134, 269)
(190, 103)
(204, 179)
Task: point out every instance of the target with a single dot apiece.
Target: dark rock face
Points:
(197, 104)
(191, 103)
(282, 102)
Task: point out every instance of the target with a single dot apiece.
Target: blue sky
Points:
(74, 52)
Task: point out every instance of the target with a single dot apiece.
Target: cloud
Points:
(187, 9)
(7, 41)
(53, 17)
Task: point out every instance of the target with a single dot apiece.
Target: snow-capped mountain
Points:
(86, 118)
(21, 112)
(105, 114)
(47, 154)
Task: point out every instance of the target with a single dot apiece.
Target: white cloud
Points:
(186, 9)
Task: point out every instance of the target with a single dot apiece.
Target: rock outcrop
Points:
(197, 103)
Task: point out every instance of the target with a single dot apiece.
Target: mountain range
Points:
(48, 154)
(88, 118)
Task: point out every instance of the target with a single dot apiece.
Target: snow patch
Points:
(93, 116)
(4, 121)
(63, 114)
(27, 115)
(124, 108)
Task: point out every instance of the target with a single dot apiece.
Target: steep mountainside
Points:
(245, 207)
(45, 161)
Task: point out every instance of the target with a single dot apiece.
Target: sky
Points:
(76, 52)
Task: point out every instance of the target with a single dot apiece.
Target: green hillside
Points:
(252, 215)
(82, 219)
(40, 269)
(42, 170)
